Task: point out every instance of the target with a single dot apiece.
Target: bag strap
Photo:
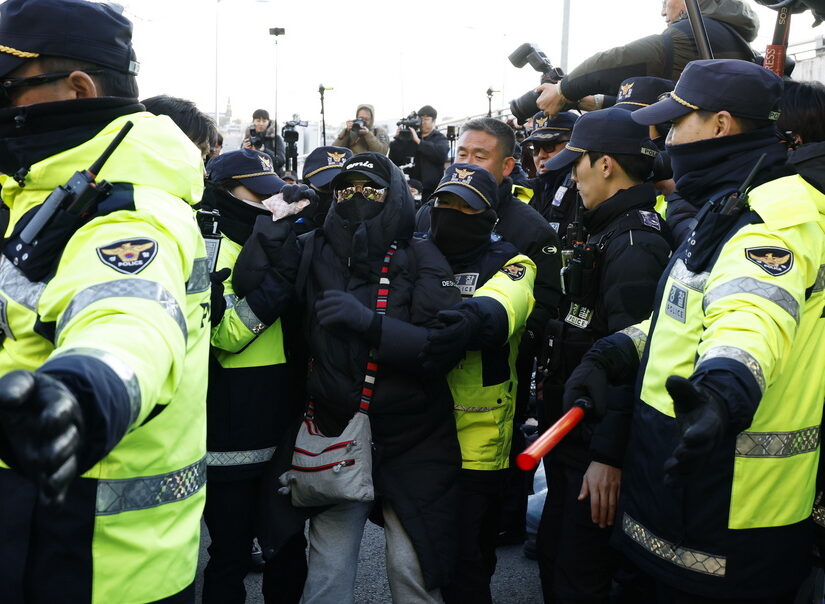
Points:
(381, 304)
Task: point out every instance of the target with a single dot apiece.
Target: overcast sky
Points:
(394, 55)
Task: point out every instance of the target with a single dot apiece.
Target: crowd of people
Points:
(649, 248)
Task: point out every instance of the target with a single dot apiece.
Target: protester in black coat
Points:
(416, 454)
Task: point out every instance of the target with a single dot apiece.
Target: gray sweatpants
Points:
(334, 542)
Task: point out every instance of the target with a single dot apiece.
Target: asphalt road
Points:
(516, 580)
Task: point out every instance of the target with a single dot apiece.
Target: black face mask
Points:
(358, 208)
(456, 233)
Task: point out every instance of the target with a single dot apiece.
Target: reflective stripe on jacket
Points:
(150, 326)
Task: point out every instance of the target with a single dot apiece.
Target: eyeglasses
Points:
(371, 193)
(8, 84)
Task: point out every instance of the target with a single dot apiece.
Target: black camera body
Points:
(256, 139)
(358, 123)
(524, 107)
(288, 131)
(412, 121)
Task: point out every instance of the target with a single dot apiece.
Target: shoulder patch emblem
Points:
(514, 271)
(551, 249)
(650, 219)
(128, 256)
(773, 260)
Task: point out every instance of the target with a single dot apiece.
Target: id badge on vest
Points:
(579, 316)
(466, 283)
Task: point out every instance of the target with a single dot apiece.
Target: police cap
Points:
(76, 29)
(324, 164)
(605, 131)
(253, 169)
(643, 91)
(473, 184)
(742, 88)
(547, 130)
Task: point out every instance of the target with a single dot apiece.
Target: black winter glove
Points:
(702, 419)
(217, 301)
(336, 308)
(41, 431)
(270, 299)
(446, 345)
(293, 193)
(588, 381)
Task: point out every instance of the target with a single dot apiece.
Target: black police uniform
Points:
(625, 251)
(631, 248)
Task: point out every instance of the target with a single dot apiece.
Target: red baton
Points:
(531, 456)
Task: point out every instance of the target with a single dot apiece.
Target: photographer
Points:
(359, 135)
(262, 135)
(426, 146)
(731, 25)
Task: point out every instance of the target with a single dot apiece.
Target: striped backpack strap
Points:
(381, 302)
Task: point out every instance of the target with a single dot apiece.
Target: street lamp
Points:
(276, 31)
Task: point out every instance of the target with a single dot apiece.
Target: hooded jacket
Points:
(416, 455)
(125, 331)
(731, 26)
(371, 139)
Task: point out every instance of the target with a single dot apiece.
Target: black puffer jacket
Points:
(416, 455)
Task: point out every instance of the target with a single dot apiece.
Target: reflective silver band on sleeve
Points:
(121, 369)
(199, 279)
(473, 409)
(740, 356)
(130, 494)
(819, 284)
(777, 444)
(683, 557)
(17, 287)
(239, 458)
(748, 285)
(818, 511)
(248, 317)
(638, 337)
(124, 288)
(694, 281)
(231, 300)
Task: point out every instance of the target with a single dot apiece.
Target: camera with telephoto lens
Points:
(288, 131)
(358, 123)
(524, 107)
(412, 121)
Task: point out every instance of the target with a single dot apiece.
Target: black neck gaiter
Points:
(456, 233)
(707, 169)
(358, 208)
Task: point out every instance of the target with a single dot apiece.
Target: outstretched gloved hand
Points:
(702, 419)
(41, 431)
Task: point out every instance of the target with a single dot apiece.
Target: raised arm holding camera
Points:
(731, 26)
(418, 142)
(360, 136)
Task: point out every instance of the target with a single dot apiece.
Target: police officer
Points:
(247, 403)
(554, 192)
(105, 323)
(496, 284)
(609, 285)
(724, 444)
(638, 92)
